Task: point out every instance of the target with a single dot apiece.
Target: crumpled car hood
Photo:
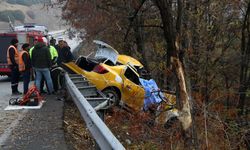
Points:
(105, 51)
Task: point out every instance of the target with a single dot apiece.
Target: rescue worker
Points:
(54, 56)
(53, 51)
(64, 53)
(60, 44)
(25, 66)
(68, 56)
(41, 62)
(12, 60)
(53, 42)
(31, 49)
(30, 52)
(59, 47)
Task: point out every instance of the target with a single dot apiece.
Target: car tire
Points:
(113, 95)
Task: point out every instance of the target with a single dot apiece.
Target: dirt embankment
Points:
(134, 131)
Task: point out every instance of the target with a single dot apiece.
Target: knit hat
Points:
(40, 40)
(25, 45)
(13, 41)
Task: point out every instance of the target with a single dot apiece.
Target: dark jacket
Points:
(64, 55)
(57, 47)
(41, 57)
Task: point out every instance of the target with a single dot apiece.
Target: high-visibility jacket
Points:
(52, 49)
(53, 52)
(21, 63)
(30, 51)
(8, 55)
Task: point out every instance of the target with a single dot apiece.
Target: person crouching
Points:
(25, 66)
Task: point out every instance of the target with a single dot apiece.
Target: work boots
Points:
(15, 90)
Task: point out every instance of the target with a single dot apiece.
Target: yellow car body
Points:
(125, 59)
(122, 76)
(115, 78)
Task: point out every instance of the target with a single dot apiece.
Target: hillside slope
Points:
(37, 13)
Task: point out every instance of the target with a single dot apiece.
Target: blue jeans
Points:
(46, 73)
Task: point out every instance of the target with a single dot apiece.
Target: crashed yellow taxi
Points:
(117, 82)
(117, 77)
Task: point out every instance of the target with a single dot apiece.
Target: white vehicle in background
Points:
(31, 27)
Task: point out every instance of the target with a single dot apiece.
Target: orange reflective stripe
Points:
(8, 55)
(20, 61)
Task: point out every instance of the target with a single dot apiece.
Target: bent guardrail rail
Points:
(101, 133)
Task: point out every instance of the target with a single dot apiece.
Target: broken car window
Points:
(130, 74)
(86, 64)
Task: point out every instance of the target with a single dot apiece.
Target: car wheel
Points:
(112, 95)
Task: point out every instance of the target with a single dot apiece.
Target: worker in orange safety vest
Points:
(12, 60)
(25, 66)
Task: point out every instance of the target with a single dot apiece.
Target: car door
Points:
(132, 92)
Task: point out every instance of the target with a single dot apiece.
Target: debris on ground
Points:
(76, 133)
(134, 131)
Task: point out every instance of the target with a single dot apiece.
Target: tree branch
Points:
(132, 19)
(150, 26)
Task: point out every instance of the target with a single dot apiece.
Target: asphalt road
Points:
(40, 129)
(8, 119)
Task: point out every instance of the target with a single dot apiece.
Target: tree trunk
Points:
(185, 115)
(139, 36)
(173, 48)
(245, 57)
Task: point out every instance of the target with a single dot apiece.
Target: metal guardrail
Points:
(101, 133)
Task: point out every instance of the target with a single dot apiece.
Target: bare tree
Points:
(245, 60)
